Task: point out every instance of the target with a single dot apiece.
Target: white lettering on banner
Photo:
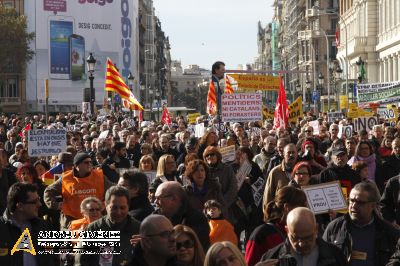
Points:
(324, 197)
(46, 142)
(243, 172)
(258, 190)
(366, 123)
(345, 131)
(241, 107)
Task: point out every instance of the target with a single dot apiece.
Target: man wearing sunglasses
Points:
(67, 193)
(157, 244)
(362, 235)
(23, 203)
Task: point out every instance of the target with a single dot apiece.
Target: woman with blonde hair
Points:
(224, 253)
(147, 163)
(166, 171)
(188, 247)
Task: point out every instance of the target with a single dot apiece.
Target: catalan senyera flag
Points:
(228, 85)
(211, 99)
(115, 83)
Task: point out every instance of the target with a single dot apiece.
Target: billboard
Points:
(66, 32)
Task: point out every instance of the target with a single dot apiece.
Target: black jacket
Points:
(9, 235)
(348, 177)
(395, 259)
(138, 259)
(7, 179)
(390, 168)
(129, 227)
(140, 207)
(328, 254)
(390, 201)
(386, 237)
(195, 220)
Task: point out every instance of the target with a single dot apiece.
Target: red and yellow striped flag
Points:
(115, 83)
(228, 85)
(211, 99)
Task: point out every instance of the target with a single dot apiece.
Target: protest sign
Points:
(315, 125)
(104, 134)
(268, 113)
(241, 107)
(344, 101)
(199, 130)
(378, 92)
(296, 110)
(228, 153)
(243, 172)
(391, 113)
(345, 131)
(256, 82)
(151, 175)
(324, 197)
(258, 190)
(192, 118)
(46, 142)
(366, 123)
(333, 116)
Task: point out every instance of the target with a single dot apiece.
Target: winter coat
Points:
(227, 179)
(390, 201)
(211, 191)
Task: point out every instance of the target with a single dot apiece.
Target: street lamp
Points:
(130, 78)
(308, 88)
(91, 64)
(151, 103)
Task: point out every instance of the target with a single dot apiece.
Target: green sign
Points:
(376, 93)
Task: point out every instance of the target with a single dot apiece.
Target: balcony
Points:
(10, 100)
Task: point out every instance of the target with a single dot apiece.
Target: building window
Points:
(2, 89)
(12, 88)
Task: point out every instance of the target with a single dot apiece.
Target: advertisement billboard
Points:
(66, 32)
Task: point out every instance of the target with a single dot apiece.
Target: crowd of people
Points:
(177, 200)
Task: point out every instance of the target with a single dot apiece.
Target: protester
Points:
(224, 253)
(189, 251)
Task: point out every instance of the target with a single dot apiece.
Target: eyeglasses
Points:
(185, 244)
(209, 155)
(163, 234)
(307, 131)
(297, 239)
(94, 210)
(359, 202)
(301, 173)
(35, 201)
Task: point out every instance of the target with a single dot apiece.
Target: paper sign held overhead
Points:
(241, 107)
(46, 142)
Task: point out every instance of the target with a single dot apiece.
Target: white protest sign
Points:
(315, 125)
(199, 130)
(258, 190)
(241, 107)
(151, 175)
(345, 131)
(332, 116)
(104, 134)
(324, 197)
(228, 153)
(46, 142)
(366, 123)
(243, 172)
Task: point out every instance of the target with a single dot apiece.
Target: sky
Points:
(204, 31)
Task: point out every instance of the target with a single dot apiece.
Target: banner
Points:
(344, 102)
(256, 82)
(296, 110)
(378, 92)
(267, 113)
(332, 116)
(192, 118)
(46, 142)
(241, 107)
(366, 123)
(345, 131)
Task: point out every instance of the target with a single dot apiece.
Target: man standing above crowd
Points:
(67, 193)
(218, 71)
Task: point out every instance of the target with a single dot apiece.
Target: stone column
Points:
(395, 67)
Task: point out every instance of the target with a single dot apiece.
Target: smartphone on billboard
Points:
(60, 29)
(77, 55)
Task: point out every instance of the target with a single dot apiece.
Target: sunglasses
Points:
(209, 155)
(185, 244)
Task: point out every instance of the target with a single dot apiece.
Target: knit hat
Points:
(80, 157)
(65, 158)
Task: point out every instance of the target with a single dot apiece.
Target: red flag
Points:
(337, 38)
(211, 99)
(165, 116)
(281, 115)
(24, 131)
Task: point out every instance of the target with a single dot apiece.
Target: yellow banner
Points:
(267, 113)
(296, 110)
(256, 82)
(356, 112)
(192, 117)
(344, 101)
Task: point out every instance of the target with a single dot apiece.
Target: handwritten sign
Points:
(46, 142)
(241, 107)
(243, 172)
(228, 153)
(324, 197)
(258, 190)
(151, 175)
